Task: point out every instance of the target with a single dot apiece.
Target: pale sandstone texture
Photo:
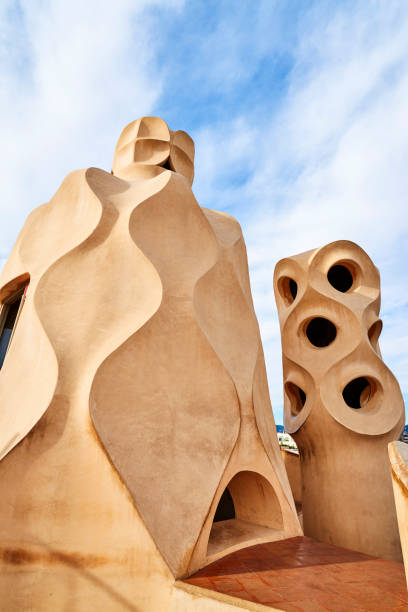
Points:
(342, 404)
(398, 454)
(133, 392)
(291, 462)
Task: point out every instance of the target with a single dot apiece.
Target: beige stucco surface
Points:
(347, 493)
(134, 389)
(291, 462)
(398, 455)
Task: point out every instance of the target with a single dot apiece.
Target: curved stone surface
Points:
(175, 415)
(134, 389)
(27, 397)
(342, 404)
(398, 455)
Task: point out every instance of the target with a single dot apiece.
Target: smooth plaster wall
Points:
(398, 455)
(134, 389)
(346, 487)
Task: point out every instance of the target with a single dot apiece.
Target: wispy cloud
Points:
(298, 111)
(330, 163)
(72, 74)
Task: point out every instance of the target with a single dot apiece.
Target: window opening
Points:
(321, 332)
(340, 277)
(248, 510)
(10, 312)
(357, 392)
(225, 509)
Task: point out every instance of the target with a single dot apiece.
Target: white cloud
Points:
(331, 164)
(321, 156)
(72, 74)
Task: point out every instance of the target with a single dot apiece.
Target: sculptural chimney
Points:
(342, 403)
(134, 397)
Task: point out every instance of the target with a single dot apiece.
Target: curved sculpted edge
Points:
(14, 430)
(153, 342)
(359, 309)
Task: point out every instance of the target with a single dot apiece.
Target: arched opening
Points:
(320, 332)
(255, 515)
(296, 396)
(288, 289)
(225, 509)
(340, 277)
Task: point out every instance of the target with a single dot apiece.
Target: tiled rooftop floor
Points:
(303, 575)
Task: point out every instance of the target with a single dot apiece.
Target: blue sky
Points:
(298, 111)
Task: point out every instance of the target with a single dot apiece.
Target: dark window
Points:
(340, 278)
(9, 313)
(293, 288)
(225, 509)
(357, 393)
(321, 332)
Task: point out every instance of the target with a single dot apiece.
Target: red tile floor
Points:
(303, 575)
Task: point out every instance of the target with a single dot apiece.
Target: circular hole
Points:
(374, 333)
(288, 289)
(340, 277)
(357, 392)
(297, 397)
(321, 332)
